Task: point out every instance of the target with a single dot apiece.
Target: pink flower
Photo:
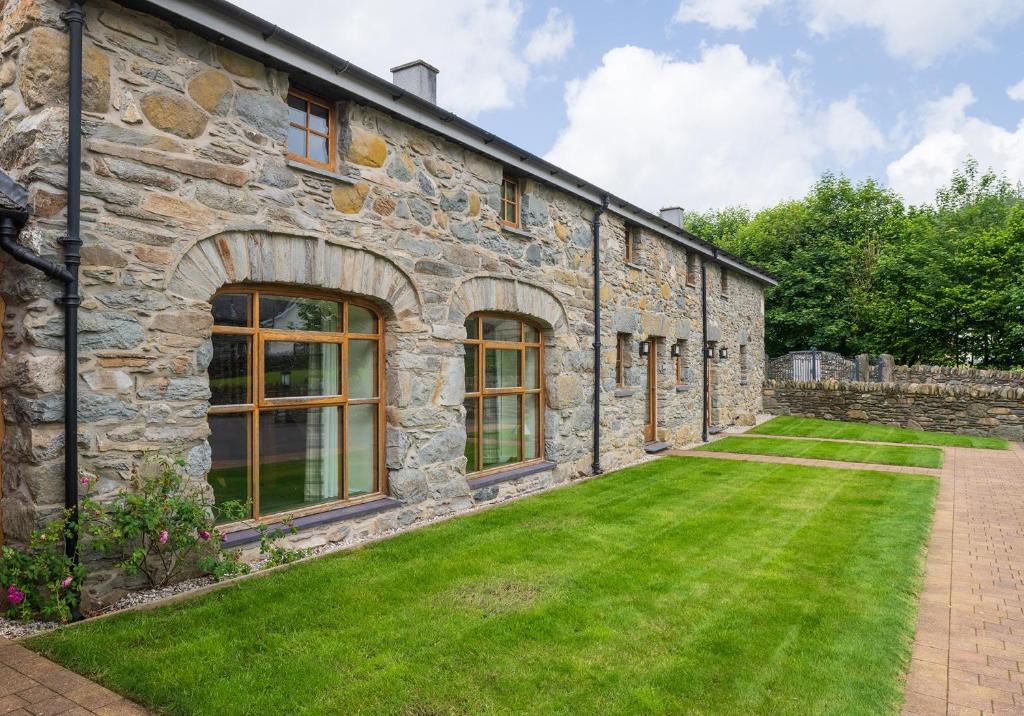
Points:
(204, 535)
(15, 595)
(84, 480)
(67, 582)
(163, 536)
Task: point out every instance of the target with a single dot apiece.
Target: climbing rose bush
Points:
(37, 580)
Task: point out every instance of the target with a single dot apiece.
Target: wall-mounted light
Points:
(645, 349)
(677, 350)
(711, 351)
(723, 353)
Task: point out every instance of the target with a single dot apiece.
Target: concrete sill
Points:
(513, 473)
(656, 447)
(340, 178)
(515, 231)
(624, 392)
(249, 535)
(634, 266)
(682, 387)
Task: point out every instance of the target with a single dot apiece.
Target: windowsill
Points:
(512, 473)
(516, 231)
(744, 382)
(309, 169)
(682, 387)
(624, 392)
(248, 535)
(630, 264)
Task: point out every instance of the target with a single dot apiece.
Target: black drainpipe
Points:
(598, 213)
(704, 348)
(72, 258)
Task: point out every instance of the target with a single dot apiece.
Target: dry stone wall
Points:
(957, 376)
(969, 410)
(186, 189)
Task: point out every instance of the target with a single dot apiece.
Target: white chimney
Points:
(418, 78)
(673, 215)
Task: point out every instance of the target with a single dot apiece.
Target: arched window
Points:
(504, 397)
(296, 410)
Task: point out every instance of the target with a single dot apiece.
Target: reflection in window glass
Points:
(229, 471)
(471, 328)
(362, 369)
(472, 353)
(501, 430)
(292, 369)
(297, 110)
(501, 329)
(295, 313)
(231, 309)
(362, 458)
(300, 457)
(501, 368)
(297, 141)
(229, 370)
(531, 426)
(532, 368)
(361, 320)
(318, 117)
(472, 434)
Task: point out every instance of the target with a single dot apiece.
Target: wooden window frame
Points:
(632, 244)
(480, 391)
(332, 132)
(259, 403)
(744, 365)
(621, 341)
(692, 269)
(516, 204)
(681, 363)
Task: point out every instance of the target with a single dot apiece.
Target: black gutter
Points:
(598, 213)
(704, 350)
(72, 258)
(10, 227)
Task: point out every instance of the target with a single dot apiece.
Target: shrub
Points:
(40, 580)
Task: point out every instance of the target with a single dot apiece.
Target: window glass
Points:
(229, 444)
(472, 434)
(318, 118)
(229, 369)
(501, 329)
(501, 430)
(297, 110)
(362, 458)
(295, 313)
(531, 426)
(231, 309)
(292, 369)
(530, 334)
(318, 148)
(300, 457)
(361, 320)
(362, 369)
(532, 368)
(471, 327)
(472, 354)
(501, 368)
(297, 141)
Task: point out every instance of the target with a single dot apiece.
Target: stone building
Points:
(327, 294)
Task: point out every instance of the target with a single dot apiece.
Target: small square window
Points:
(725, 282)
(510, 199)
(310, 129)
(632, 243)
(692, 268)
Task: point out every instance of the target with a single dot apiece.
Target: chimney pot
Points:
(673, 215)
(418, 78)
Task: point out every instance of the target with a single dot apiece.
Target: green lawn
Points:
(829, 450)
(837, 429)
(684, 585)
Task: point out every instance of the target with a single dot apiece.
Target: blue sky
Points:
(707, 103)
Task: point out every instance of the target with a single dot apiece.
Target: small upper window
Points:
(621, 358)
(692, 268)
(632, 243)
(725, 282)
(310, 129)
(510, 201)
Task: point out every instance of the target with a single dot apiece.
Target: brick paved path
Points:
(968, 653)
(805, 461)
(30, 684)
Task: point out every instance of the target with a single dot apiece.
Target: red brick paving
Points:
(968, 654)
(31, 684)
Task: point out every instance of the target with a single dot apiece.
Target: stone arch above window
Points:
(491, 294)
(257, 256)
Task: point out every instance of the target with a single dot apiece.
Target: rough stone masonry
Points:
(186, 188)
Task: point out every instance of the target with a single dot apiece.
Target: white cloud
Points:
(717, 131)
(947, 136)
(476, 44)
(551, 40)
(721, 14)
(916, 30)
(848, 132)
(1016, 92)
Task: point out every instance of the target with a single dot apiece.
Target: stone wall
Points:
(958, 376)
(969, 410)
(186, 189)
